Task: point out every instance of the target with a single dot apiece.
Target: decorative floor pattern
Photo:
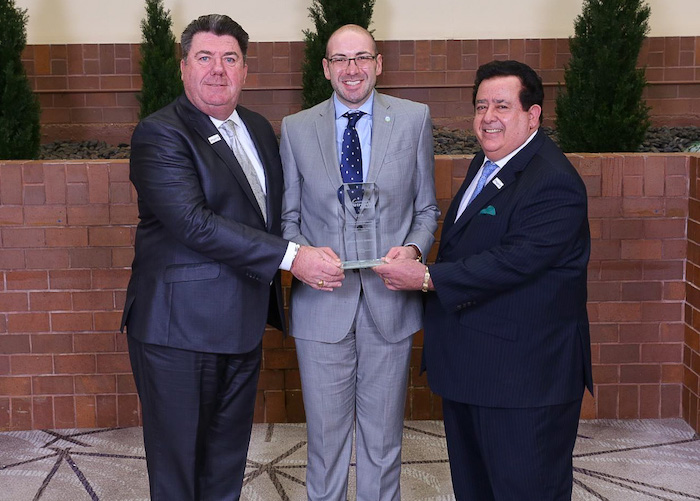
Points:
(613, 461)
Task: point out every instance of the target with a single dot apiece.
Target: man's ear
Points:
(326, 68)
(534, 114)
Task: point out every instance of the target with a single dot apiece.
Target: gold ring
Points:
(320, 283)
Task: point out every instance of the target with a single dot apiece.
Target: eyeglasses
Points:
(343, 62)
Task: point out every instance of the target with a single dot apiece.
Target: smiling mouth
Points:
(492, 131)
(352, 82)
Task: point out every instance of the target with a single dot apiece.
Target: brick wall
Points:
(88, 91)
(691, 350)
(66, 231)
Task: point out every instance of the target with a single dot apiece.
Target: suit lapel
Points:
(203, 126)
(382, 125)
(325, 131)
(506, 176)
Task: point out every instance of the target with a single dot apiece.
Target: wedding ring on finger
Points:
(320, 283)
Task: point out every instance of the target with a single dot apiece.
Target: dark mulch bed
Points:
(446, 141)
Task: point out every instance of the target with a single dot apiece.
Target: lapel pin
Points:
(498, 183)
(214, 139)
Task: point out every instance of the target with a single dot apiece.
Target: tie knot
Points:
(353, 117)
(489, 167)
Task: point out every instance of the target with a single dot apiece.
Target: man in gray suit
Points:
(354, 343)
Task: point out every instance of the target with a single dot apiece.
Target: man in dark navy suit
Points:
(205, 276)
(507, 345)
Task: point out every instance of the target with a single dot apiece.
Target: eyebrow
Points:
(497, 101)
(361, 53)
(210, 53)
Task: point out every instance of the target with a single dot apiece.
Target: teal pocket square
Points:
(489, 211)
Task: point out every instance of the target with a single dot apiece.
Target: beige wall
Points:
(117, 21)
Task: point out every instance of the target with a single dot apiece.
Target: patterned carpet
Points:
(613, 460)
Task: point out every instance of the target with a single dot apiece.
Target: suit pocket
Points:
(492, 325)
(191, 272)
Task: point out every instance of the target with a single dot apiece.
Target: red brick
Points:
(52, 385)
(110, 278)
(125, 383)
(619, 353)
(46, 259)
(66, 237)
(11, 186)
(280, 359)
(12, 259)
(27, 322)
(90, 215)
(670, 401)
(606, 401)
(14, 302)
(21, 417)
(665, 353)
(106, 411)
(85, 411)
(649, 401)
(92, 301)
(109, 363)
(629, 402)
(49, 301)
(15, 386)
(71, 322)
(52, 343)
(275, 410)
(127, 410)
(605, 374)
(642, 291)
(42, 412)
(70, 279)
(26, 280)
(23, 237)
(95, 384)
(94, 343)
(14, 343)
(64, 410)
(638, 373)
(75, 364)
(31, 364)
(90, 258)
(108, 320)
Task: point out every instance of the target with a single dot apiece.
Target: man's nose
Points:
(352, 66)
(217, 65)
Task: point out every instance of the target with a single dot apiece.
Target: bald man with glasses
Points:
(354, 343)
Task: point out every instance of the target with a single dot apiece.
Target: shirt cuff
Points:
(288, 259)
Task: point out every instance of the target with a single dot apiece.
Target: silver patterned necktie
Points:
(229, 128)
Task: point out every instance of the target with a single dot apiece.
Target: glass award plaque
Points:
(360, 225)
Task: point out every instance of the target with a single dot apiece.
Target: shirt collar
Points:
(505, 159)
(340, 108)
(234, 116)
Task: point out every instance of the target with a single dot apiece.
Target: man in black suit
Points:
(507, 345)
(205, 277)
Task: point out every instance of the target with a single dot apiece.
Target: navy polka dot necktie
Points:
(351, 157)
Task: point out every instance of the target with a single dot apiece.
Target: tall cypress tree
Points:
(160, 66)
(20, 113)
(602, 108)
(328, 16)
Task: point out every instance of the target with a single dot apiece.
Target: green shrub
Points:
(160, 65)
(20, 113)
(328, 16)
(602, 109)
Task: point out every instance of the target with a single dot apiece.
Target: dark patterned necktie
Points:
(351, 159)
